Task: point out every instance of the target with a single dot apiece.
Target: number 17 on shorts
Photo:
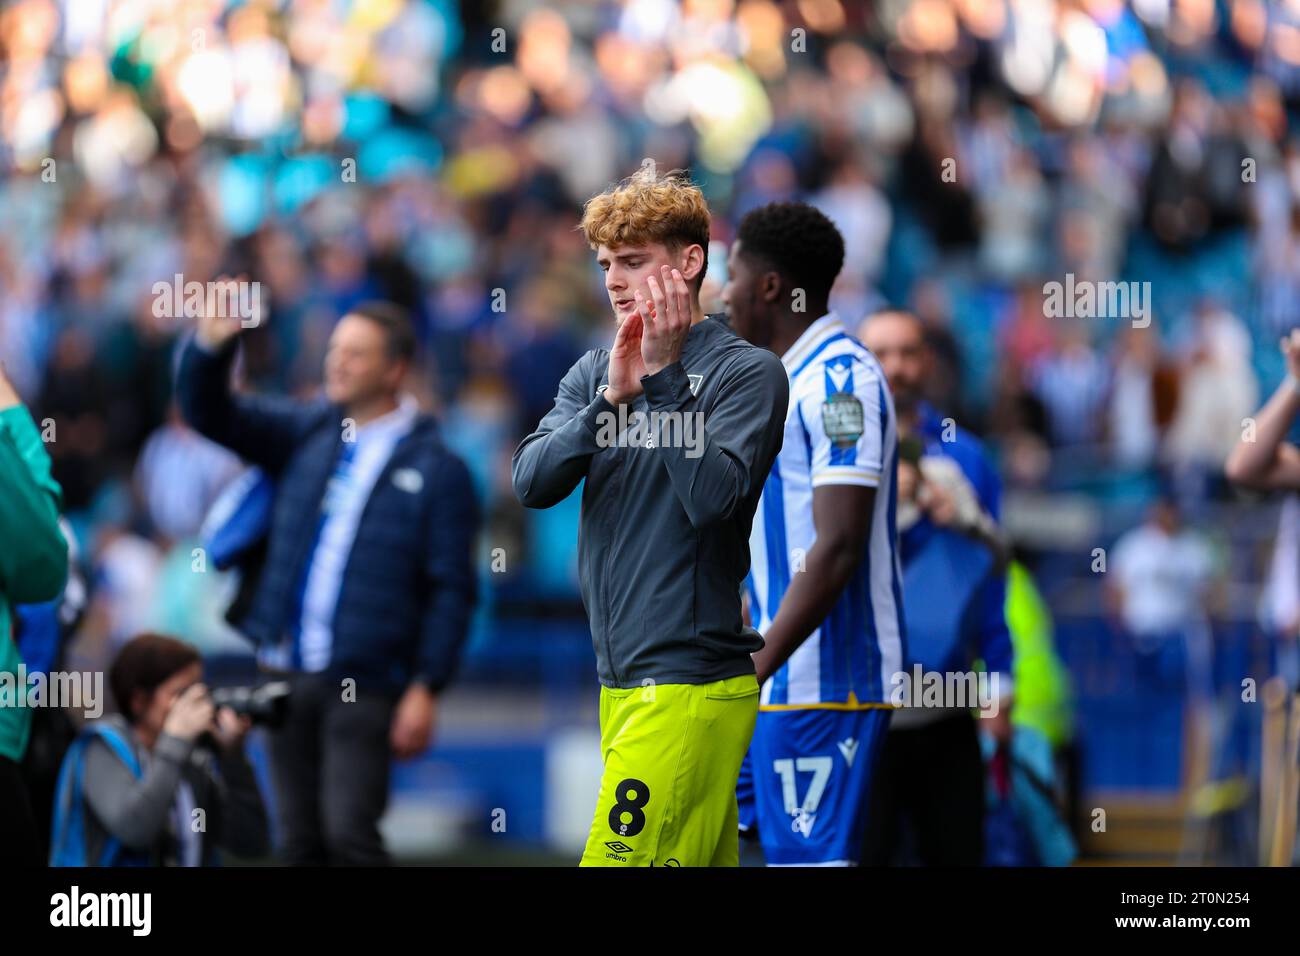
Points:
(812, 772)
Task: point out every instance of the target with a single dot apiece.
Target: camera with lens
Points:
(267, 704)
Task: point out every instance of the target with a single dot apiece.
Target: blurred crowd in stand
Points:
(437, 154)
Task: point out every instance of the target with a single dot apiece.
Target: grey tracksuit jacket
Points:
(663, 542)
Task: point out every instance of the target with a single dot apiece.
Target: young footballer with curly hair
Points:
(663, 544)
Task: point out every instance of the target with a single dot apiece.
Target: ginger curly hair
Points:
(649, 206)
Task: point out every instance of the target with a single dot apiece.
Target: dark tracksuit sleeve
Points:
(742, 434)
(260, 429)
(449, 570)
(550, 462)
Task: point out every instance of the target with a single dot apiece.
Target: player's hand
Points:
(625, 363)
(190, 714)
(8, 394)
(667, 319)
(214, 332)
(763, 664)
(412, 729)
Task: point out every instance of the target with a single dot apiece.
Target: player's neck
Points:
(789, 326)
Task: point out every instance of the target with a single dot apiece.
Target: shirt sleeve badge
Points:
(843, 419)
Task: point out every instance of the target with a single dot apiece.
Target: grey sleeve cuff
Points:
(173, 748)
(590, 415)
(667, 388)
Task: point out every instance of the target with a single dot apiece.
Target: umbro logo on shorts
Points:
(617, 849)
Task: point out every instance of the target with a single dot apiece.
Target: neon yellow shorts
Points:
(672, 755)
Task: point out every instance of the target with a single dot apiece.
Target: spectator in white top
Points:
(1160, 572)
(1160, 575)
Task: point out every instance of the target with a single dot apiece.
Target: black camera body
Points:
(267, 704)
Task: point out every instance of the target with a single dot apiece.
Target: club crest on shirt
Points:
(839, 375)
(842, 418)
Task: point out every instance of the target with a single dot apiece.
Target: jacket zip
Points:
(616, 480)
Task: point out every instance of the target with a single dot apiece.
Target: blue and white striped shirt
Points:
(840, 430)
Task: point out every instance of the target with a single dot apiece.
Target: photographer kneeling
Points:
(131, 783)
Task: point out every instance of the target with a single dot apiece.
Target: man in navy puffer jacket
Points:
(366, 592)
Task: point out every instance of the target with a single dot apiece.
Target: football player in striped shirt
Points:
(824, 587)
